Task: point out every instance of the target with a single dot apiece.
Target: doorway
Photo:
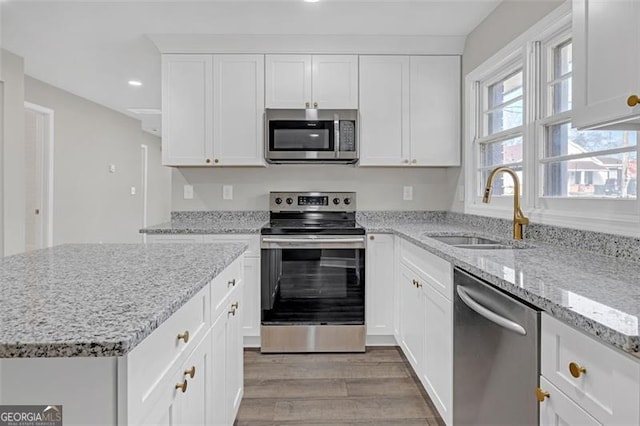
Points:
(39, 176)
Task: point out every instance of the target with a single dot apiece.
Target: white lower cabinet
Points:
(425, 313)
(380, 288)
(601, 381)
(559, 410)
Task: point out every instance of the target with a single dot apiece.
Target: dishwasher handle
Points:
(489, 314)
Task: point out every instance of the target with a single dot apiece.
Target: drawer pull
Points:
(372, 237)
(231, 283)
(633, 100)
(541, 395)
(575, 370)
(235, 305)
(415, 283)
(232, 312)
(418, 284)
(184, 336)
(190, 372)
(182, 386)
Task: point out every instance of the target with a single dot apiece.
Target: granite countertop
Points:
(99, 299)
(204, 222)
(595, 293)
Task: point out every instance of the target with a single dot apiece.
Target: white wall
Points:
(377, 188)
(90, 203)
(507, 21)
(13, 176)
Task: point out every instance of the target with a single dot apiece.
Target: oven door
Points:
(301, 139)
(313, 280)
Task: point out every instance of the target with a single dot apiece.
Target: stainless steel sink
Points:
(470, 242)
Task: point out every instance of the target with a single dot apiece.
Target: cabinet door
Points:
(384, 110)
(218, 411)
(335, 81)
(606, 60)
(380, 290)
(235, 355)
(437, 371)
(412, 319)
(559, 410)
(288, 81)
(435, 110)
(238, 109)
(187, 118)
(194, 409)
(251, 297)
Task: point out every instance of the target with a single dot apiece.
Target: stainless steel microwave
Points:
(311, 136)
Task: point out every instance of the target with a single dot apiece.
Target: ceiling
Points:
(93, 48)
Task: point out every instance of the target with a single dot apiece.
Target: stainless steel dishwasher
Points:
(496, 355)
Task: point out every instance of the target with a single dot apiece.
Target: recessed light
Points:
(311, 1)
(135, 83)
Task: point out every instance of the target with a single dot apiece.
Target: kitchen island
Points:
(107, 331)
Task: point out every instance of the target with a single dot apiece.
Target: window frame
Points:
(620, 216)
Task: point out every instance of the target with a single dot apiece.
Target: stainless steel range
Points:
(312, 277)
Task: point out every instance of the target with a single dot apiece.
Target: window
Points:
(519, 107)
(575, 164)
(501, 127)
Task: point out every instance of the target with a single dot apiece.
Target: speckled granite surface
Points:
(212, 222)
(99, 300)
(595, 293)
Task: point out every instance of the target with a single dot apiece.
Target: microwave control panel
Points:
(347, 135)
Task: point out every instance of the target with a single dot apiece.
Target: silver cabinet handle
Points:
(313, 240)
(489, 314)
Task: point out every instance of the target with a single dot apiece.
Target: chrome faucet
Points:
(519, 218)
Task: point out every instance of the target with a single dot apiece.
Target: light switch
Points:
(188, 192)
(133, 190)
(227, 192)
(407, 193)
(112, 168)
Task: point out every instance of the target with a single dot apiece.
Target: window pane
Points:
(610, 176)
(562, 139)
(503, 182)
(563, 59)
(561, 95)
(503, 152)
(505, 106)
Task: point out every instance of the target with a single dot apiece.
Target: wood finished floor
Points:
(376, 388)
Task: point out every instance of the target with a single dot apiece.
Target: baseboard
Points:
(386, 340)
(251, 341)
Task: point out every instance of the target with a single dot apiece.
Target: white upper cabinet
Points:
(212, 110)
(238, 110)
(435, 110)
(384, 110)
(410, 110)
(306, 81)
(606, 52)
(186, 105)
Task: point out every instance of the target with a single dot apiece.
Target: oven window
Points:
(313, 286)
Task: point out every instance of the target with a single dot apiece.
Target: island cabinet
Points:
(187, 371)
(584, 381)
(312, 81)
(212, 110)
(409, 110)
(425, 329)
(606, 66)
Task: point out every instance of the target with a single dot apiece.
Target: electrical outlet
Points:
(227, 192)
(188, 192)
(133, 190)
(112, 168)
(407, 193)
(461, 193)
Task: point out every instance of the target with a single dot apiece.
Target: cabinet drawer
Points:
(437, 271)
(253, 241)
(558, 409)
(149, 361)
(224, 284)
(608, 389)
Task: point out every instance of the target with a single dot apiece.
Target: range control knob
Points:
(336, 201)
(347, 201)
(289, 200)
(278, 200)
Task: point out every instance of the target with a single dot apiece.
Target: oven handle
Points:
(312, 240)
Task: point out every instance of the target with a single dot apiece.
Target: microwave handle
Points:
(336, 133)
